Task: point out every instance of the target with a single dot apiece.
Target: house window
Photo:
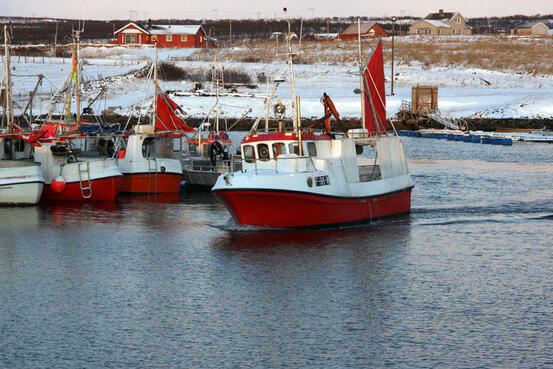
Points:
(130, 39)
(183, 38)
(154, 38)
(169, 38)
(457, 20)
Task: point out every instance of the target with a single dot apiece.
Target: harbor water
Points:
(464, 281)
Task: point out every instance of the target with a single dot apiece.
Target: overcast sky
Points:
(221, 9)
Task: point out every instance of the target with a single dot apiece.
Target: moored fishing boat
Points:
(209, 148)
(147, 165)
(21, 178)
(70, 176)
(147, 160)
(304, 179)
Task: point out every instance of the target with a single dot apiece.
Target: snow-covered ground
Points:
(463, 92)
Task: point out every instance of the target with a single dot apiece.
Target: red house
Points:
(164, 35)
(368, 30)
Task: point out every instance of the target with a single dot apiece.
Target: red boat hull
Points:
(139, 183)
(288, 209)
(103, 189)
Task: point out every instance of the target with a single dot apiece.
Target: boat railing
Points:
(202, 166)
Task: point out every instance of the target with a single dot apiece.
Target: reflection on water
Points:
(244, 238)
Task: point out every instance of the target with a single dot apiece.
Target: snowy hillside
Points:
(464, 91)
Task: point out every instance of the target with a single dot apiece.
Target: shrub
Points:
(170, 72)
(262, 77)
(251, 59)
(237, 76)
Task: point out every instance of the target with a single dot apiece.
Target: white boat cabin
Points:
(279, 152)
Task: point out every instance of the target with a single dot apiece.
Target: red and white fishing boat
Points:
(68, 175)
(147, 165)
(304, 179)
(147, 162)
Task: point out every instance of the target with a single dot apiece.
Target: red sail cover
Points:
(167, 119)
(374, 85)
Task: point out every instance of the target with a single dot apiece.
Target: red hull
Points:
(103, 189)
(140, 184)
(283, 209)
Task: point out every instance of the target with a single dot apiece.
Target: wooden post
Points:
(56, 40)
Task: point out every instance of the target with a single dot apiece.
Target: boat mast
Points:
(300, 147)
(361, 74)
(154, 104)
(76, 42)
(217, 80)
(9, 106)
(290, 62)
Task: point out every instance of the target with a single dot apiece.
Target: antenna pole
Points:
(361, 72)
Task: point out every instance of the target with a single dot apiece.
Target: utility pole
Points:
(393, 32)
(402, 13)
(56, 40)
(230, 32)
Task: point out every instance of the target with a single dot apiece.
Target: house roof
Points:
(140, 27)
(365, 27)
(440, 16)
(164, 29)
(529, 24)
(325, 36)
(436, 23)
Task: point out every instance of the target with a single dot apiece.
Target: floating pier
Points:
(458, 136)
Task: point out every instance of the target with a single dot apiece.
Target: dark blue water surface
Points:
(464, 281)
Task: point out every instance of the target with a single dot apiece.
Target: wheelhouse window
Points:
(278, 149)
(249, 153)
(263, 152)
(311, 149)
(148, 147)
(293, 148)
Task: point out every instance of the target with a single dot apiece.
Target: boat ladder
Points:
(152, 170)
(84, 179)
